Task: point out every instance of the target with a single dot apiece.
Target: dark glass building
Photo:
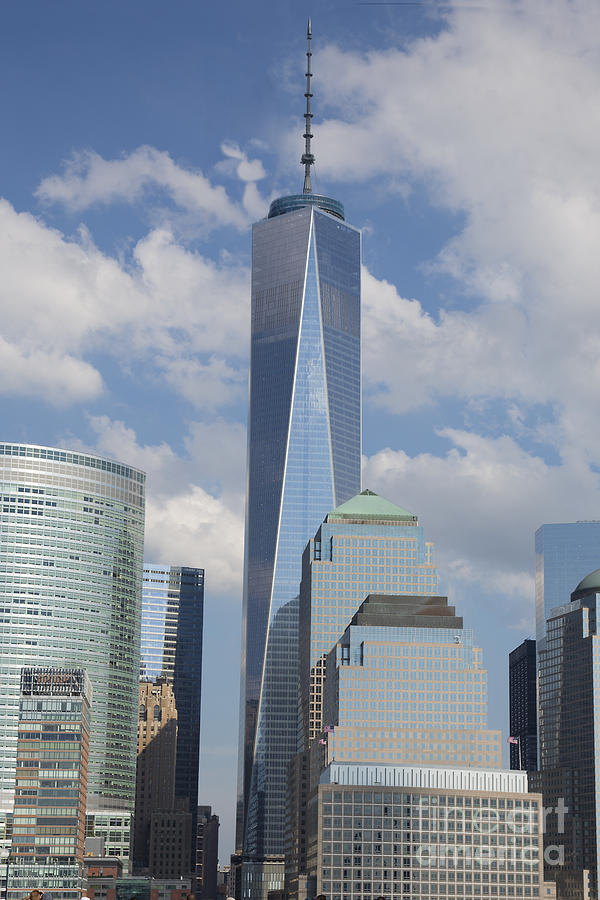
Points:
(564, 554)
(304, 447)
(569, 776)
(171, 648)
(522, 684)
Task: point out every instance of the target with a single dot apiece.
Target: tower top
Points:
(284, 205)
(307, 157)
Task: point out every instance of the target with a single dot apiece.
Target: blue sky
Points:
(140, 141)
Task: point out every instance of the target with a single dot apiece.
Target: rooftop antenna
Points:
(307, 157)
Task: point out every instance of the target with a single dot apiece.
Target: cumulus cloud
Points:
(481, 504)
(496, 117)
(90, 180)
(195, 507)
(183, 316)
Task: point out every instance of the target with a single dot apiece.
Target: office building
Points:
(405, 745)
(569, 713)
(51, 783)
(405, 684)
(366, 545)
(71, 540)
(304, 446)
(171, 649)
(207, 853)
(155, 774)
(432, 833)
(522, 684)
(564, 554)
(170, 842)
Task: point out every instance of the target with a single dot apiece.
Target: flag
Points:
(513, 740)
(323, 741)
(328, 729)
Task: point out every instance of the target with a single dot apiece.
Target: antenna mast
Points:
(307, 157)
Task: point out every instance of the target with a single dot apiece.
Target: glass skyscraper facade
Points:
(304, 445)
(569, 722)
(71, 550)
(171, 648)
(564, 554)
(366, 545)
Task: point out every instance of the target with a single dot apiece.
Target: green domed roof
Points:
(368, 505)
(591, 582)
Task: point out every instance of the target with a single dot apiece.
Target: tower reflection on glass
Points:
(304, 447)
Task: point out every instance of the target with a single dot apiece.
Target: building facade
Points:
(71, 544)
(171, 649)
(407, 747)
(207, 853)
(427, 833)
(569, 713)
(522, 685)
(366, 545)
(304, 448)
(564, 554)
(406, 684)
(51, 783)
(155, 773)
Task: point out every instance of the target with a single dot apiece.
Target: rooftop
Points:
(370, 507)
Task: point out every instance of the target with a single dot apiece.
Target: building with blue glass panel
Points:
(171, 649)
(71, 550)
(366, 545)
(303, 460)
(304, 456)
(564, 554)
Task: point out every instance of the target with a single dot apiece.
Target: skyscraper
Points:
(304, 442)
(366, 545)
(171, 648)
(564, 554)
(522, 683)
(71, 540)
(569, 718)
(155, 774)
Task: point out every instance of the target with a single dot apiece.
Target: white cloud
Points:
(88, 180)
(177, 314)
(497, 118)
(195, 507)
(481, 503)
(57, 378)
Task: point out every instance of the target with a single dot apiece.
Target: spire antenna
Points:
(307, 157)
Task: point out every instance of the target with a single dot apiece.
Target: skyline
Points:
(477, 191)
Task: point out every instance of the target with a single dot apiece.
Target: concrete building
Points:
(522, 685)
(155, 774)
(170, 841)
(431, 833)
(366, 545)
(51, 783)
(304, 456)
(70, 588)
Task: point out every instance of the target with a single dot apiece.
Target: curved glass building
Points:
(71, 550)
